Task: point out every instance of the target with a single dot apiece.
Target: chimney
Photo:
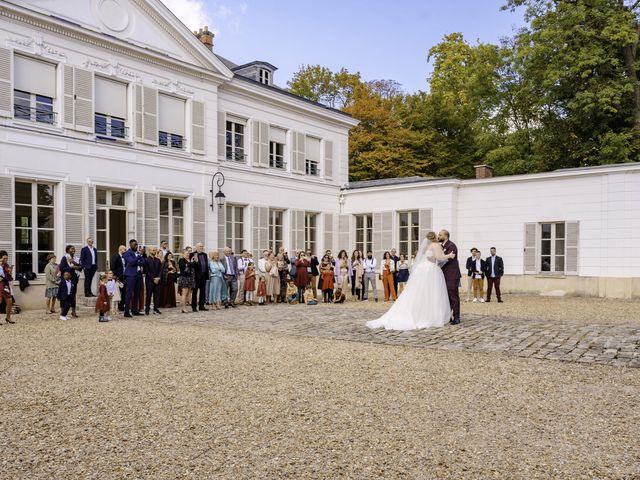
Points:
(484, 171)
(205, 36)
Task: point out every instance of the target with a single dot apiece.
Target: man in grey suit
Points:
(230, 277)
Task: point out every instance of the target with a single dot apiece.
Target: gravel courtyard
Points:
(161, 397)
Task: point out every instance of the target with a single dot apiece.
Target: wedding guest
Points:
(370, 266)
(326, 273)
(71, 264)
(52, 279)
(6, 277)
(142, 250)
(272, 278)
(387, 269)
(469, 267)
(102, 300)
(134, 262)
(89, 263)
(302, 275)
(494, 270)
(186, 278)
(168, 280)
(66, 294)
(164, 249)
(343, 270)
(243, 260)
(117, 267)
(262, 290)
(356, 274)
(403, 272)
(217, 284)
(201, 269)
(249, 283)
(478, 277)
(292, 293)
(283, 273)
(262, 264)
(285, 255)
(395, 259)
(313, 271)
(114, 294)
(339, 296)
(153, 275)
(309, 297)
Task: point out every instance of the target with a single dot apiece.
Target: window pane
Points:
(559, 263)
(23, 193)
(177, 226)
(23, 216)
(101, 124)
(403, 235)
(559, 247)
(24, 239)
(42, 260)
(45, 194)
(24, 262)
(546, 247)
(45, 240)
(546, 264)
(546, 230)
(164, 226)
(559, 230)
(45, 217)
(101, 219)
(101, 241)
(238, 231)
(369, 222)
(117, 198)
(403, 220)
(164, 206)
(177, 205)
(359, 221)
(101, 196)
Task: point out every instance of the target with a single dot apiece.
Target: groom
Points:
(451, 271)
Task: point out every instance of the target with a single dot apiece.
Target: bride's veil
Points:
(422, 253)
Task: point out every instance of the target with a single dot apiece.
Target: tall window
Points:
(235, 228)
(110, 107)
(34, 204)
(235, 142)
(312, 163)
(264, 76)
(310, 233)
(275, 229)
(552, 251)
(34, 90)
(171, 121)
(172, 222)
(364, 233)
(409, 230)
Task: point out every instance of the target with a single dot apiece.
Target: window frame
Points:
(275, 240)
(366, 220)
(311, 168)
(264, 76)
(170, 234)
(407, 245)
(231, 239)
(553, 255)
(35, 108)
(311, 232)
(276, 159)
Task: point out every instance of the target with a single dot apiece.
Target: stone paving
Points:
(616, 345)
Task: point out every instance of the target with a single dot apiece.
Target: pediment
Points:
(144, 23)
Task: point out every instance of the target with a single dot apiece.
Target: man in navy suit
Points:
(133, 266)
(494, 269)
(451, 272)
(153, 274)
(89, 263)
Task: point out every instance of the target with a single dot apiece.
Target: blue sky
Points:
(380, 39)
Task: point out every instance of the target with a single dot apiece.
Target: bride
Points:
(424, 302)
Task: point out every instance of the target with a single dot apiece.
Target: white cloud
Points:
(217, 16)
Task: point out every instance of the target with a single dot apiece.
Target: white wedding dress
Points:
(424, 302)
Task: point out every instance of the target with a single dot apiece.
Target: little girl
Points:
(114, 293)
(249, 283)
(292, 293)
(309, 297)
(327, 280)
(262, 291)
(52, 278)
(102, 301)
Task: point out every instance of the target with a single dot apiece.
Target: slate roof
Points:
(384, 182)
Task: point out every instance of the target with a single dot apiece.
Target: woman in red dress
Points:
(302, 276)
(6, 279)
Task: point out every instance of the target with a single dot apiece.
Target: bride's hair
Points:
(431, 236)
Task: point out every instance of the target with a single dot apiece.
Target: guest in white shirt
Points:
(262, 264)
(370, 266)
(242, 264)
(478, 277)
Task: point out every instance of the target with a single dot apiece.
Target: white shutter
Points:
(382, 233)
(328, 231)
(222, 134)
(7, 216)
(263, 159)
(328, 159)
(152, 219)
(425, 219)
(260, 230)
(83, 100)
(6, 83)
(74, 215)
(222, 227)
(530, 239)
(301, 156)
(344, 232)
(297, 231)
(197, 127)
(138, 110)
(67, 95)
(140, 217)
(255, 143)
(91, 214)
(572, 244)
(199, 215)
(150, 115)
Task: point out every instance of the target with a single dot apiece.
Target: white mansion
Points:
(114, 117)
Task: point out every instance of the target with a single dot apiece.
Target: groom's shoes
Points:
(455, 321)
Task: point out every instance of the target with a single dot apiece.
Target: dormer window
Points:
(264, 76)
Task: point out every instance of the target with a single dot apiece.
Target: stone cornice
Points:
(118, 46)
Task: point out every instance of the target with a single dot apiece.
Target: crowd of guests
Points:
(148, 279)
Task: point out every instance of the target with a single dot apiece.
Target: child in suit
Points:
(66, 294)
(102, 300)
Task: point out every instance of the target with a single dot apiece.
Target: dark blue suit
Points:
(67, 297)
(133, 279)
(89, 266)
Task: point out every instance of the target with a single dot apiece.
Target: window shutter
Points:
(328, 159)
(91, 214)
(571, 254)
(74, 215)
(6, 83)
(425, 219)
(7, 216)
(344, 232)
(150, 115)
(67, 102)
(300, 233)
(297, 231)
(328, 231)
(530, 259)
(263, 160)
(301, 153)
(83, 100)
(255, 143)
(197, 127)
(138, 110)
(260, 236)
(140, 217)
(199, 210)
(152, 219)
(222, 134)
(382, 233)
(222, 227)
